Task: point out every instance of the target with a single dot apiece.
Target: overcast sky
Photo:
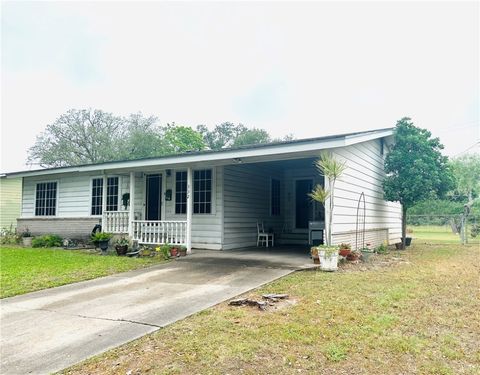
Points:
(310, 69)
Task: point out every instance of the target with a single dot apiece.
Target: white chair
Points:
(263, 237)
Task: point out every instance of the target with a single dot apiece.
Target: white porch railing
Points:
(160, 232)
(115, 221)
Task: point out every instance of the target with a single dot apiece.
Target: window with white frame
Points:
(275, 197)
(112, 193)
(181, 192)
(202, 191)
(46, 199)
(97, 195)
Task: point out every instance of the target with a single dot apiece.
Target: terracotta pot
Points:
(183, 253)
(174, 252)
(353, 256)
(121, 249)
(344, 252)
(316, 260)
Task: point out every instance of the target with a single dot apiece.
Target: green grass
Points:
(437, 234)
(25, 270)
(409, 312)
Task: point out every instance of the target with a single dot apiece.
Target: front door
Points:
(303, 204)
(153, 197)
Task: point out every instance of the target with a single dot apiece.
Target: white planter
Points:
(27, 241)
(330, 262)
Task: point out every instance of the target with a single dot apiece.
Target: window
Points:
(97, 192)
(202, 191)
(275, 198)
(97, 195)
(181, 192)
(46, 199)
(112, 194)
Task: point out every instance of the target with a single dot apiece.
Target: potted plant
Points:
(101, 239)
(183, 251)
(174, 251)
(328, 256)
(353, 256)
(314, 255)
(366, 253)
(26, 237)
(345, 249)
(121, 246)
(408, 241)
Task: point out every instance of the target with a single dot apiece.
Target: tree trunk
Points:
(404, 226)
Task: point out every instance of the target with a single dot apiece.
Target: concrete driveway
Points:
(49, 330)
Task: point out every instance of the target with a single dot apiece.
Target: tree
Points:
(332, 169)
(466, 170)
(78, 137)
(252, 137)
(93, 136)
(180, 139)
(416, 169)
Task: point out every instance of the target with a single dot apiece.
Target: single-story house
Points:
(214, 199)
(10, 201)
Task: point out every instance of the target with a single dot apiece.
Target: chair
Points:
(263, 237)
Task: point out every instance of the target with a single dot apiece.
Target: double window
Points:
(97, 195)
(202, 192)
(46, 199)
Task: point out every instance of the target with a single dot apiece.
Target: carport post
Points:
(189, 209)
(131, 213)
(104, 202)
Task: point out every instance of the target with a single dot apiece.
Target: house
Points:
(10, 201)
(214, 199)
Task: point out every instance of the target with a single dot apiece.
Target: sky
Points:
(306, 68)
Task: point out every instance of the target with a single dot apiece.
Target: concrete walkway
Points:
(49, 330)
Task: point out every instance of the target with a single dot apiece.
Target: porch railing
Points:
(160, 232)
(115, 221)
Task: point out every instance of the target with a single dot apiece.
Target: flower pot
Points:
(121, 249)
(27, 241)
(183, 252)
(408, 241)
(353, 256)
(103, 245)
(366, 255)
(174, 252)
(328, 262)
(344, 252)
(316, 260)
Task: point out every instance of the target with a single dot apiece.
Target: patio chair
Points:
(263, 237)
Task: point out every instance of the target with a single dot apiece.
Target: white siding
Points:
(246, 201)
(364, 173)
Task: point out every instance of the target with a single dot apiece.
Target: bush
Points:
(475, 230)
(8, 236)
(49, 240)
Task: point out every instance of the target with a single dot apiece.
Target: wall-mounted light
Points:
(168, 172)
(168, 195)
(238, 161)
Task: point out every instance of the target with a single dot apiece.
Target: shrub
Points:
(164, 250)
(382, 249)
(48, 240)
(475, 230)
(8, 236)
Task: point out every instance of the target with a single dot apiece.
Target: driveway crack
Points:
(101, 318)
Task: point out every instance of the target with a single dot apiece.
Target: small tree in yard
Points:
(416, 169)
(332, 169)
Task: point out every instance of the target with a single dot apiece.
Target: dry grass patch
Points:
(408, 312)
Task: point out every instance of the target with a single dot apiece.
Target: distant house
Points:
(213, 199)
(10, 201)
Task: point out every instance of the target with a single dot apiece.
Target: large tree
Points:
(94, 136)
(78, 137)
(416, 169)
(466, 170)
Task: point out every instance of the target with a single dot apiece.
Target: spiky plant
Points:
(332, 169)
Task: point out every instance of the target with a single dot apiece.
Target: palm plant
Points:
(331, 169)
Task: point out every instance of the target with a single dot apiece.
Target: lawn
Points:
(413, 311)
(25, 270)
(437, 234)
